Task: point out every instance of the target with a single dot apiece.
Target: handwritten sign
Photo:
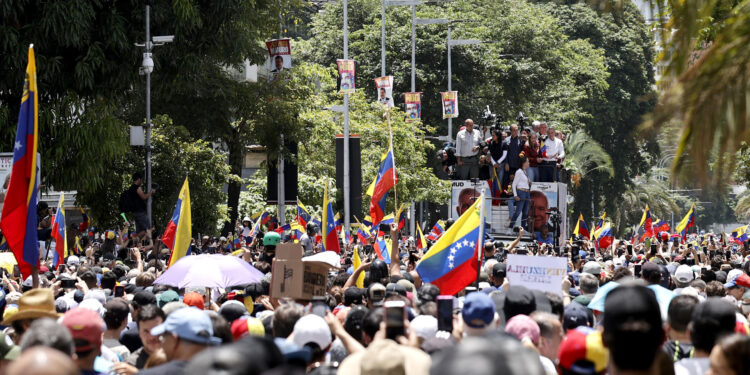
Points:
(534, 272)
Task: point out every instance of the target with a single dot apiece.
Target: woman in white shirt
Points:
(521, 194)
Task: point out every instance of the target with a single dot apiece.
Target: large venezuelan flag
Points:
(19, 219)
(329, 238)
(647, 222)
(451, 264)
(378, 190)
(178, 234)
(58, 233)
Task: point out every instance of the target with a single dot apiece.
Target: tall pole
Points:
(347, 187)
(412, 216)
(148, 116)
(450, 86)
(382, 38)
(281, 214)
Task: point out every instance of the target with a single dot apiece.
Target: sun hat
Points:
(35, 303)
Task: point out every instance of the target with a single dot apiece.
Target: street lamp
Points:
(386, 3)
(147, 67)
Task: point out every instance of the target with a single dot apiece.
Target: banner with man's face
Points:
(385, 90)
(450, 104)
(346, 73)
(279, 56)
(413, 102)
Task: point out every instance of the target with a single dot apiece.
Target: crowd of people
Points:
(628, 309)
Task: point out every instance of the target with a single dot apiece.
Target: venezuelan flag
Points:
(543, 150)
(179, 230)
(356, 262)
(661, 226)
(384, 181)
(58, 233)
(451, 264)
(687, 222)
(77, 247)
(581, 228)
(85, 223)
(19, 220)
(421, 242)
(303, 215)
(495, 187)
(388, 220)
(383, 249)
(647, 222)
(740, 234)
(598, 225)
(604, 236)
(260, 219)
(329, 238)
(401, 215)
(437, 231)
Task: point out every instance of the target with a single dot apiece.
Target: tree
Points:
(175, 156)
(651, 189)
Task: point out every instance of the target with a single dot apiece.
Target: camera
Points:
(490, 118)
(522, 120)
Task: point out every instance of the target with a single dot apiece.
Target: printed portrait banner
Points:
(540, 273)
(385, 90)
(450, 104)
(464, 194)
(279, 56)
(413, 106)
(346, 73)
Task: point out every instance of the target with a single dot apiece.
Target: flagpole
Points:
(390, 147)
(480, 241)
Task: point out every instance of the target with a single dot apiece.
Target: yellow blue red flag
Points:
(178, 234)
(58, 233)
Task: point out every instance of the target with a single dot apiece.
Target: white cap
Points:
(684, 274)
(73, 260)
(593, 268)
(312, 328)
(246, 218)
(93, 305)
(425, 326)
(733, 274)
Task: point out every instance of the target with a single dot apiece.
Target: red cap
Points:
(86, 325)
(43, 269)
(193, 299)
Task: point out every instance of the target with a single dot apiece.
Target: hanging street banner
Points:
(279, 56)
(385, 90)
(413, 106)
(346, 73)
(450, 104)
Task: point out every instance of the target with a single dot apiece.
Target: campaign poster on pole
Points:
(279, 56)
(385, 90)
(413, 106)
(450, 104)
(346, 73)
(539, 273)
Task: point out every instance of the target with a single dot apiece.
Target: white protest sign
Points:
(535, 272)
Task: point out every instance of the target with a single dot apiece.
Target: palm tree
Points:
(651, 189)
(584, 155)
(706, 82)
(742, 208)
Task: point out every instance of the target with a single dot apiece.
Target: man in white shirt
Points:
(554, 152)
(467, 148)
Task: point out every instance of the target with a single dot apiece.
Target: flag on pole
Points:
(740, 234)
(451, 264)
(330, 239)
(647, 222)
(598, 225)
(604, 236)
(687, 222)
(495, 187)
(303, 215)
(178, 233)
(58, 233)
(378, 190)
(85, 222)
(581, 228)
(420, 240)
(661, 226)
(401, 215)
(437, 231)
(19, 220)
(356, 262)
(383, 249)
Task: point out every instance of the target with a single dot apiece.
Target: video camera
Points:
(522, 120)
(489, 118)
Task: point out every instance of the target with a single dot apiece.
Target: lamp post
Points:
(383, 5)
(147, 67)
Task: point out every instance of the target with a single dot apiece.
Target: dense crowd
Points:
(627, 309)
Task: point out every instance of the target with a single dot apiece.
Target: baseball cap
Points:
(650, 268)
(684, 274)
(247, 326)
(395, 288)
(478, 310)
(8, 350)
(593, 268)
(166, 297)
(193, 299)
(352, 295)
(499, 270)
(424, 326)
(626, 304)
(742, 280)
(312, 329)
(376, 294)
(143, 298)
(518, 300)
(582, 351)
(188, 324)
(232, 310)
(86, 326)
(523, 327)
(576, 315)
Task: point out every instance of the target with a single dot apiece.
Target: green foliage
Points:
(651, 189)
(584, 155)
(175, 156)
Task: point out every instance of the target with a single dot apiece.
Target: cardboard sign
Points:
(291, 277)
(536, 272)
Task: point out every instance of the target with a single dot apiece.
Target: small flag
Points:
(329, 237)
(687, 222)
(356, 262)
(58, 233)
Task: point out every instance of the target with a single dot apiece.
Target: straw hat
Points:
(36, 303)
